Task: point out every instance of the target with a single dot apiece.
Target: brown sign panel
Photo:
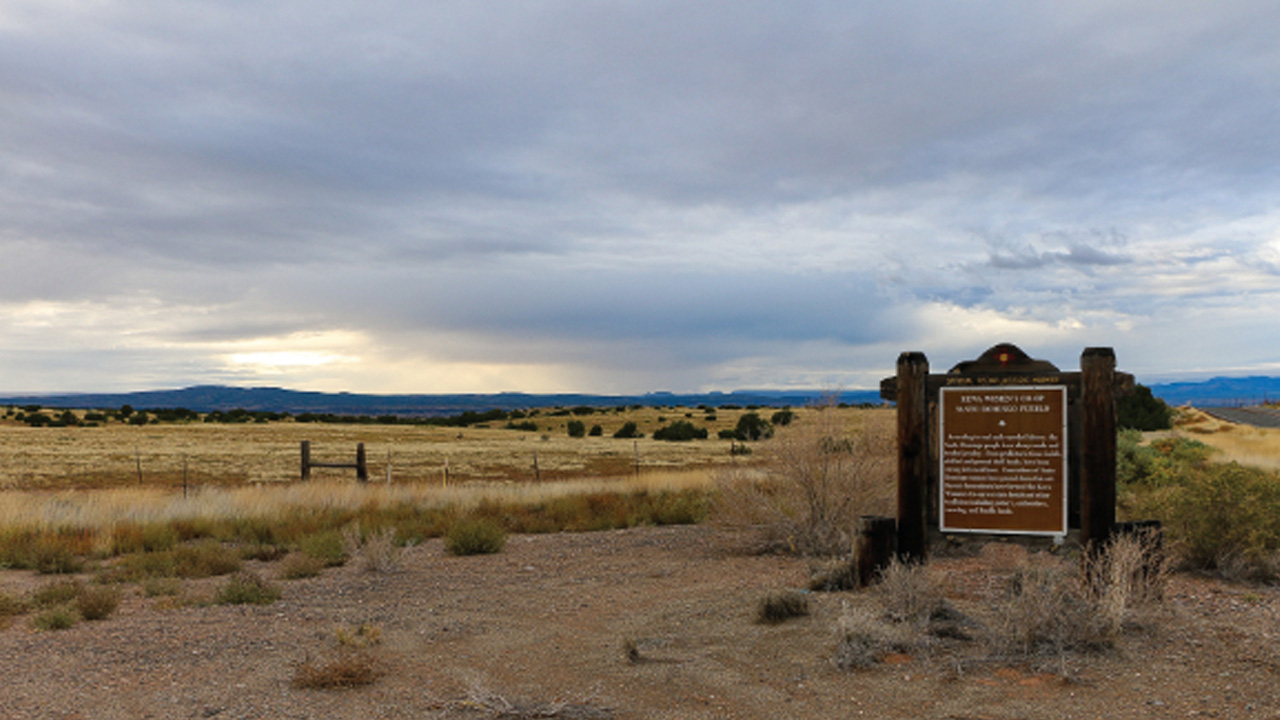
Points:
(1003, 459)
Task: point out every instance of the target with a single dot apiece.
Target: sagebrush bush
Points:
(60, 617)
(326, 546)
(911, 593)
(475, 536)
(780, 606)
(376, 551)
(58, 592)
(296, 566)
(820, 476)
(864, 637)
(1218, 517)
(98, 602)
(247, 587)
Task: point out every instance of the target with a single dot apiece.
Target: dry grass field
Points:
(258, 596)
(1253, 446)
(237, 454)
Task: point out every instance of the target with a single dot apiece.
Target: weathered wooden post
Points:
(1098, 461)
(306, 460)
(913, 455)
(362, 466)
(874, 547)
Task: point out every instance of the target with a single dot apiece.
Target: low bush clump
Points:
(348, 669)
(376, 551)
(778, 607)
(475, 536)
(296, 566)
(247, 587)
(680, 431)
(61, 617)
(98, 602)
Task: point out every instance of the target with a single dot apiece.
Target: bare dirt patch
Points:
(645, 623)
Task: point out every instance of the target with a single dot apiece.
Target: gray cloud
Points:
(712, 186)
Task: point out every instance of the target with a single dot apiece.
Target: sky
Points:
(609, 196)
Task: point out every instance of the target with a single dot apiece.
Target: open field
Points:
(659, 620)
(1245, 444)
(648, 623)
(236, 454)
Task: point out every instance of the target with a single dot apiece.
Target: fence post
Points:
(874, 547)
(362, 467)
(306, 460)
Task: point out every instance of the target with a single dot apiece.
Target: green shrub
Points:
(1140, 410)
(11, 605)
(595, 431)
(325, 546)
(98, 602)
(247, 587)
(680, 431)
(783, 417)
(577, 428)
(475, 536)
(207, 558)
(752, 427)
(58, 592)
(627, 431)
(1224, 518)
(55, 618)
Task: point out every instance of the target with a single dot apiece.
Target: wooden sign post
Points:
(1005, 445)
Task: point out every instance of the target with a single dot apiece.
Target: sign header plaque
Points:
(1003, 459)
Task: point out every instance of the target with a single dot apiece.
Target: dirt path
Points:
(546, 626)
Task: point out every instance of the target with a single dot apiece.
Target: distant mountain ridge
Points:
(207, 398)
(1254, 390)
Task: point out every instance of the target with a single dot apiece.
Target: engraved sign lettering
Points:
(1003, 458)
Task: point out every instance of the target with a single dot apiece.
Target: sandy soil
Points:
(544, 629)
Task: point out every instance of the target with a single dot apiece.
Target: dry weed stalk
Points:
(820, 476)
(495, 705)
(376, 552)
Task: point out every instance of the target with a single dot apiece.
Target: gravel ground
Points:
(646, 623)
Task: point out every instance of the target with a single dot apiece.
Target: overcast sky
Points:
(615, 197)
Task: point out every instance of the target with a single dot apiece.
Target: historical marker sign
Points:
(1003, 459)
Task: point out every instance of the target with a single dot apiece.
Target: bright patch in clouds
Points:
(623, 197)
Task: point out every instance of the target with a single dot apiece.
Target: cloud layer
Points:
(619, 197)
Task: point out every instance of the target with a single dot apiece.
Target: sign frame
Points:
(1052, 428)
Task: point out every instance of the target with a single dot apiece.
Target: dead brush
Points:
(1052, 611)
(495, 705)
(780, 606)
(864, 637)
(375, 552)
(819, 477)
(347, 668)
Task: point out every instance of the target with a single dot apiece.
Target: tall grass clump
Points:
(819, 477)
(475, 536)
(1051, 610)
(375, 551)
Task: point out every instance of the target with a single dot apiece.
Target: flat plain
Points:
(648, 622)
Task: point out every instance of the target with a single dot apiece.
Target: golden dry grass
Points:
(220, 454)
(106, 508)
(1244, 444)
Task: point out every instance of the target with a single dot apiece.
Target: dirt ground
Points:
(644, 623)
